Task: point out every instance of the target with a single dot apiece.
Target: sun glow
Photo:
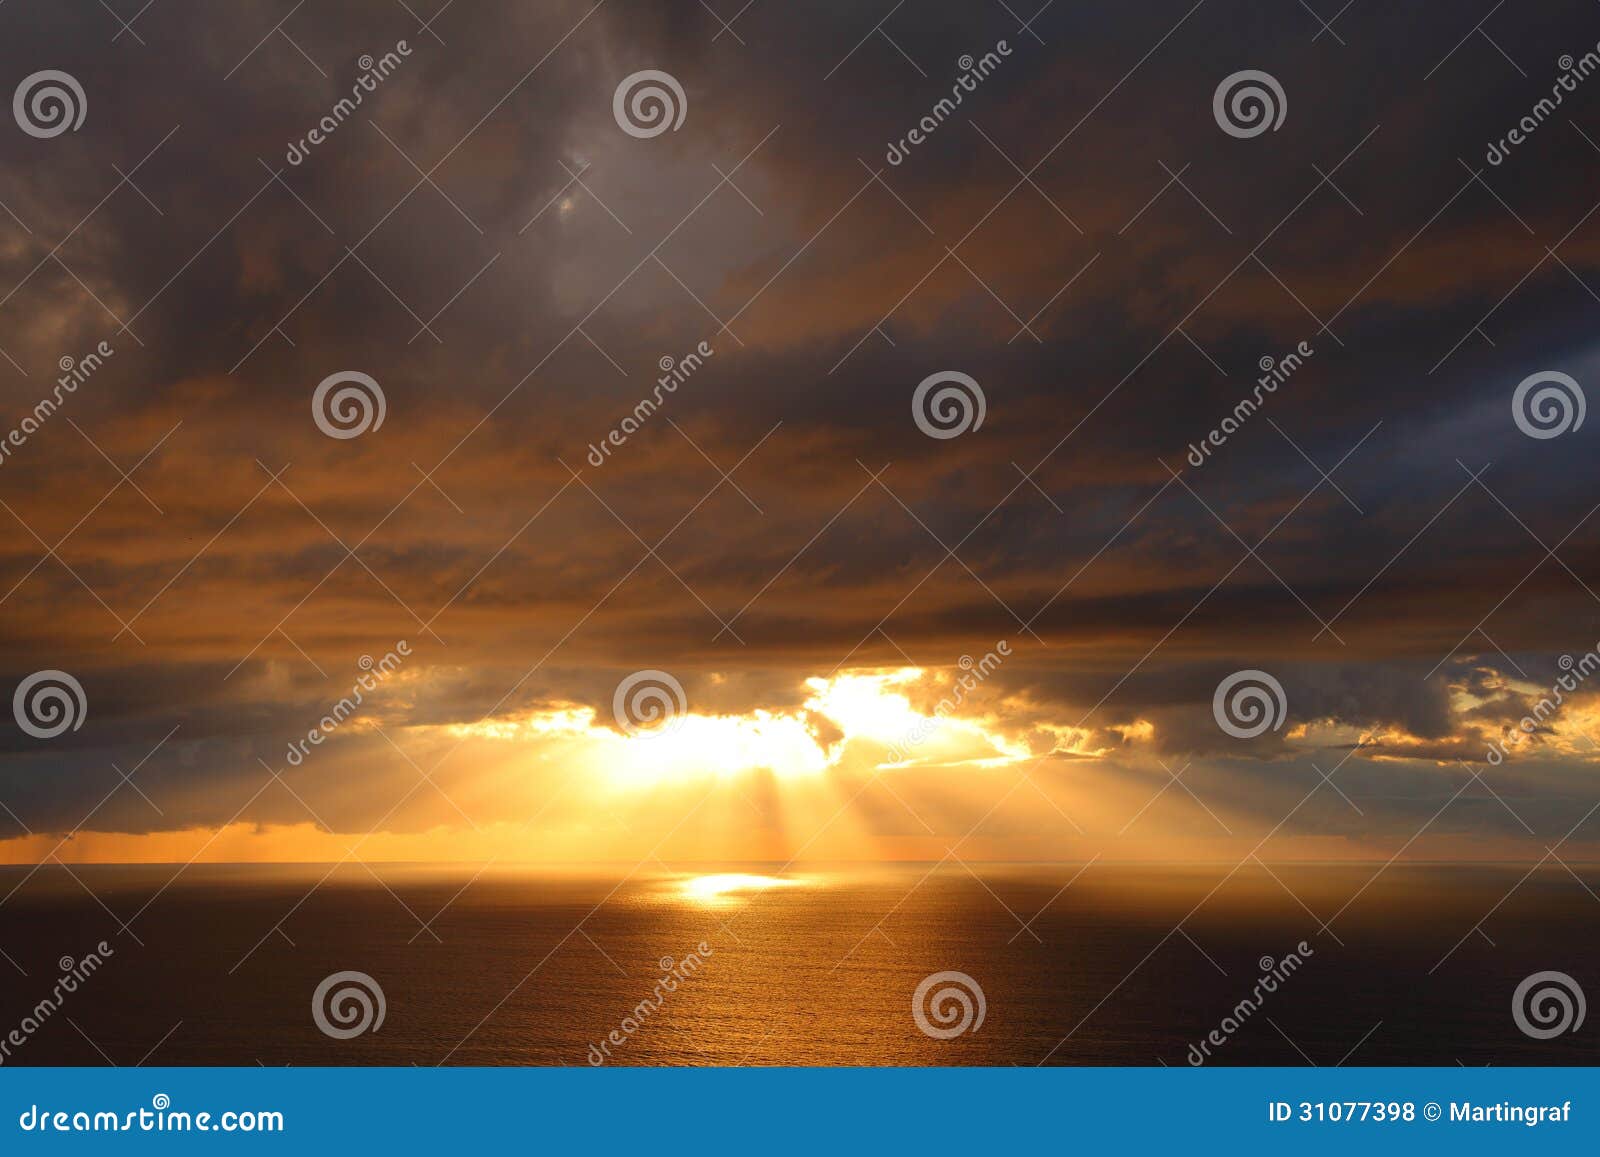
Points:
(722, 746)
(868, 706)
(862, 721)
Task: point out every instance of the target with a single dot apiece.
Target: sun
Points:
(850, 722)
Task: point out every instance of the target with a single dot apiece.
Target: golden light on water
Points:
(721, 886)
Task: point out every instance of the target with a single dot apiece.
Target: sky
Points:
(510, 254)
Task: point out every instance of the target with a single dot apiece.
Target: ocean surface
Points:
(1076, 965)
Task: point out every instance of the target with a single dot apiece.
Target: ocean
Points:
(1062, 964)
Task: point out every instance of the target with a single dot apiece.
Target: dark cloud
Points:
(515, 306)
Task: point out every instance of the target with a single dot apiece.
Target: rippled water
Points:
(537, 967)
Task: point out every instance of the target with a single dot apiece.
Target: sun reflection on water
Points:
(721, 887)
